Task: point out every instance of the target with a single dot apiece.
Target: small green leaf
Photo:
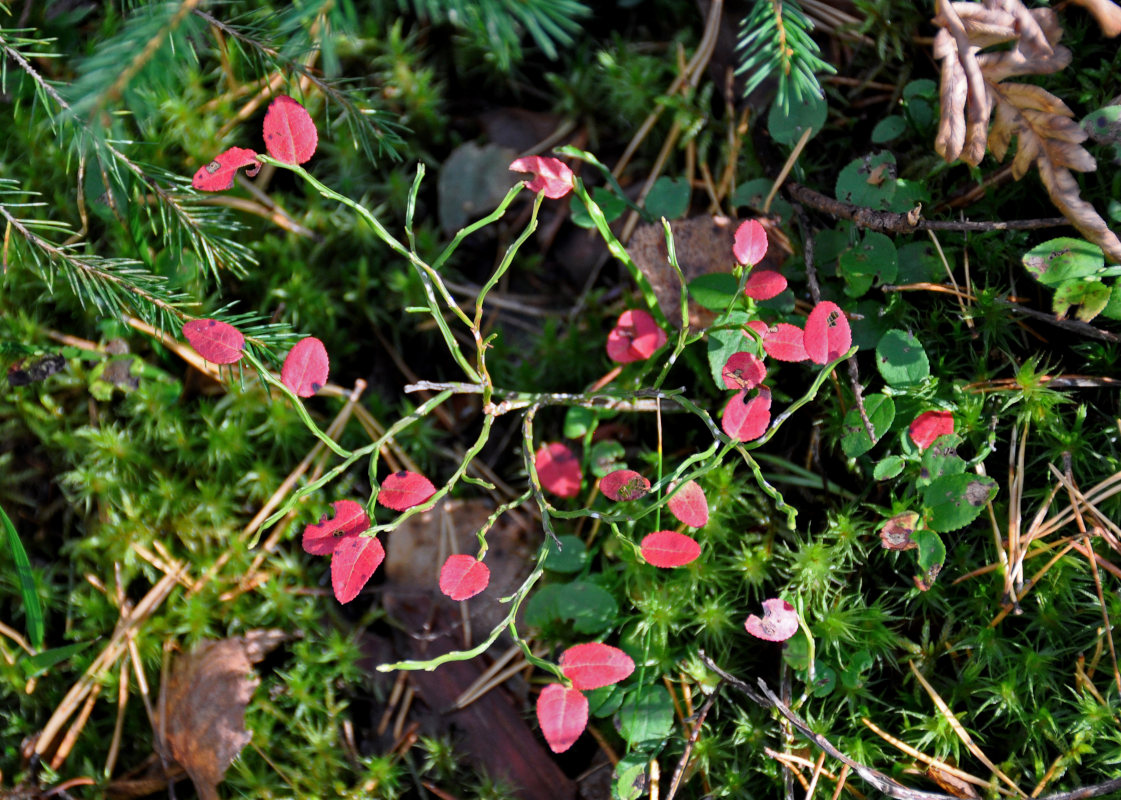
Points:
(888, 468)
(31, 607)
(881, 413)
(901, 359)
(753, 194)
(1058, 260)
(932, 552)
(1091, 297)
(646, 715)
(572, 557)
(714, 290)
(607, 456)
(669, 198)
(868, 182)
(605, 701)
(888, 128)
(941, 458)
(859, 663)
(825, 680)
(725, 339)
(579, 422)
(954, 501)
(609, 203)
(873, 259)
(919, 262)
(589, 607)
(630, 776)
(787, 127)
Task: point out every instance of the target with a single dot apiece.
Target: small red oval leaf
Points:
(746, 420)
(690, 505)
(551, 175)
(778, 624)
(562, 714)
(305, 368)
(217, 342)
(763, 284)
(785, 342)
(322, 537)
(667, 549)
(929, 425)
(751, 243)
(623, 485)
(290, 135)
(743, 371)
(594, 665)
(635, 337)
(463, 576)
(219, 174)
(827, 336)
(404, 489)
(353, 562)
(558, 469)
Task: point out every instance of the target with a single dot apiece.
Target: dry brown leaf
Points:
(205, 703)
(975, 95)
(1106, 13)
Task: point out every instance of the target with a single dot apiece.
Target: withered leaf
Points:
(974, 94)
(205, 701)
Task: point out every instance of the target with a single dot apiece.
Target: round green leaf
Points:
(714, 290)
(787, 127)
(589, 607)
(868, 182)
(669, 198)
(725, 339)
(901, 359)
(609, 203)
(873, 259)
(1090, 296)
(881, 413)
(607, 456)
(630, 776)
(954, 501)
(932, 551)
(579, 421)
(572, 557)
(941, 458)
(646, 715)
(919, 261)
(888, 128)
(888, 468)
(754, 193)
(1059, 260)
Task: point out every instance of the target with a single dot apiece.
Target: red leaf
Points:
(290, 135)
(763, 284)
(217, 342)
(562, 714)
(218, 175)
(558, 469)
(305, 367)
(827, 334)
(635, 337)
(552, 176)
(784, 342)
(746, 420)
(751, 243)
(929, 425)
(594, 665)
(463, 576)
(743, 371)
(779, 622)
(404, 489)
(689, 505)
(669, 549)
(322, 537)
(624, 484)
(353, 562)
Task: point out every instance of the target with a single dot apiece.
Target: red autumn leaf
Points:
(929, 425)
(623, 485)
(551, 175)
(785, 342)
(405, 489)
(635, 337)
(353, 562)
(562, 714)
(690, 505)
(463, 576)
(763, 284)
(305, 367)
(751, 243)
(322, 537)
(217, 342)
(667, 549)
(827, 335)
(594, 665)
(743, 371)
(290, 135)
(558, 469)
(218, 175)
(746, 420)
(779, 622)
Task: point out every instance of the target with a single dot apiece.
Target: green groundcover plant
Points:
(805, 523)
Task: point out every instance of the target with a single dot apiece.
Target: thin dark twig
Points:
(882, 782)
(893, 222)
(683, 762)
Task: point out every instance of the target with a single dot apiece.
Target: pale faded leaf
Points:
(1063, 189)
(1107, 14)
